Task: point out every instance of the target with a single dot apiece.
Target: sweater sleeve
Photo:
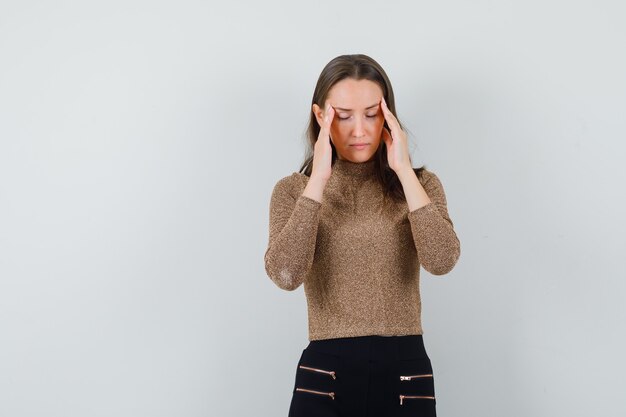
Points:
(293, 226)
(438, 247)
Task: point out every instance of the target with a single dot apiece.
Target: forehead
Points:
(354, 94)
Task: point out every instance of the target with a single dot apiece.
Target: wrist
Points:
(405, 173)
(317, 179)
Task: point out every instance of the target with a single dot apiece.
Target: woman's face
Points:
(358, 118)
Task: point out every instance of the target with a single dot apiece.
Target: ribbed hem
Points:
(399, 331)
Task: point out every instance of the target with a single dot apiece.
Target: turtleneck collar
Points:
(355, 169)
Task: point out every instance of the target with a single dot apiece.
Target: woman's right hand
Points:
(323, 152)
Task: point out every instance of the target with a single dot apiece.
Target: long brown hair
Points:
(358, 67)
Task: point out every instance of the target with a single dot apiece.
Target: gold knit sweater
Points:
(359, 259)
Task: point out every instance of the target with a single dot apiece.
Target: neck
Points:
(355, 169)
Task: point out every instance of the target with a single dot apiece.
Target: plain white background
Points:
(140, 142)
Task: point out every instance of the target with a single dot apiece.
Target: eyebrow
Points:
(367, 108)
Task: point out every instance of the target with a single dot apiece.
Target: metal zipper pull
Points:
(408, 378)
(331, 373)
(330, 394)
(402, 397)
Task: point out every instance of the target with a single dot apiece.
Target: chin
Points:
(360, 158)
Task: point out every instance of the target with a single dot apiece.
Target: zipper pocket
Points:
(424, 397)
(408, 378)
(330, 394)
(331, 373)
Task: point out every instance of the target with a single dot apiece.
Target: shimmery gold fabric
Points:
(358, 258)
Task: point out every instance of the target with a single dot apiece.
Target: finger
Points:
(391, 119)
(325, 124)
(386, 112)
(328, 116)
(331, 114)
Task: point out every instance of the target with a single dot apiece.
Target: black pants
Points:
(365, 376)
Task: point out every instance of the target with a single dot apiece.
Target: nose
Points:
(358, 131)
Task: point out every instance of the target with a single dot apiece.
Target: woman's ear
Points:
(319, 114)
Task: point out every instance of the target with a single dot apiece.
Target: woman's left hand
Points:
(396, 141)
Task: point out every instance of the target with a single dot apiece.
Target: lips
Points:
(359, 146)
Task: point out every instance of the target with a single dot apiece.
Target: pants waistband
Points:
(372, 347)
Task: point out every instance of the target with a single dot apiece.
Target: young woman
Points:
(355, 225)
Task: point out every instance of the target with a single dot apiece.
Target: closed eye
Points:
(371, 116)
